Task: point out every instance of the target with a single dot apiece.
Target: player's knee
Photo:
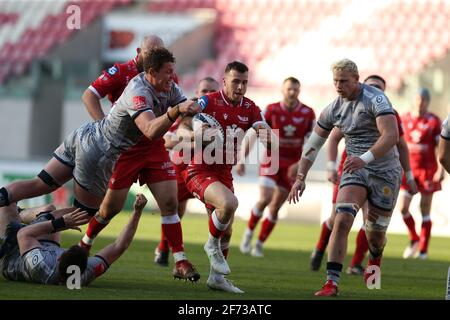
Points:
(231, 205)
(91, 211)
(47, 179)
(377, 224)
(169, 205)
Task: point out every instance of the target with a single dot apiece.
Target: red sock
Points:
(174, 235)
(372, 262)
(266, 229)
(95, 226)
(325, 233)
(425, 234)
(361, 248)
(215, 226)
(253, 221)
(409, 221)
(163, 244)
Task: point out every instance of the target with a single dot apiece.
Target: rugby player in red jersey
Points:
(422, 130)
(294, 121)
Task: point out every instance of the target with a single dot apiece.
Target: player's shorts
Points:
(183, 192)
(382, 186)
(424, 181)
(92, 168)
(198, 180)
(280, 179)
(146, 165)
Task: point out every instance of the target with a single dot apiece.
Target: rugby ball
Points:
(203, 118)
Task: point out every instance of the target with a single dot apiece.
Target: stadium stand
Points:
(29, 29)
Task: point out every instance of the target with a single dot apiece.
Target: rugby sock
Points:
(425, 234)
(409, 221)
(216, 228)
(325, 233)
(255, 215)
(225, 246)
(4, 197)
(373, 261)
(95, 226)
(171, 228)
(163, 244)
(361, 247)
(267, 227)
(334, 270)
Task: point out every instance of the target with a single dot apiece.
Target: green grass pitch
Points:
(283, 274)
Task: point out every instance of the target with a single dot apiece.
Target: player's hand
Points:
(332, 176)
(439, 175)
(240, 169)
(353, 164)
(412, 186)
(139, 203)
(76, 218)
(292, 171)
(189, 108)
(297, 191)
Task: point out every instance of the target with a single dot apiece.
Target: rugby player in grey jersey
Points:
(444, 145)
(148, 106)
(372, 170)
(32, 253)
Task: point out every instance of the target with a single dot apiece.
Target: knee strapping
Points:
(91, 211)
(350, 208)
(380, 224)
(48, 179)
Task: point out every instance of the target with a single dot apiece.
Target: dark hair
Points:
(376, 77)
(209, 79)
(156, 58)
(236, 65)
(75, 255)
(293, 80)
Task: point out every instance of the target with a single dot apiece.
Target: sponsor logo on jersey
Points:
(113, 70)
(243, 119)
(247, 104)
(139, 102)
(304, 110)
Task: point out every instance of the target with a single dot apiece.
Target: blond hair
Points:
(345, 65)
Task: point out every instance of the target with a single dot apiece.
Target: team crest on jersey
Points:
(139, 102)
(297, 120)
(113, 70)
(247, 104)
(305, 110)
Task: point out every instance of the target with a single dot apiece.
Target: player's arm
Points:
(113, 251)
(155, 127)
(388, 128)
(335, 137)
(92, 103)
(246, 146)
(403, 153)
(28, 236)
(444, 153)
(310, 151)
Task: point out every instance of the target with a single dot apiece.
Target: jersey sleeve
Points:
(177, 96)
(326, 118)
(445, 130)
(268, 115)
(107, 82)
(40, 265)
(257, 117)
(96, 266)
(380, 105)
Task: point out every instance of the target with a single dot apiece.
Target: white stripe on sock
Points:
(256, 212)
(426, 218)
(170, 219)
(87, 240)
(178, 256)
(219, 225)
